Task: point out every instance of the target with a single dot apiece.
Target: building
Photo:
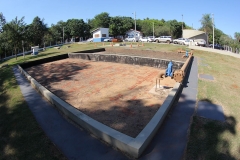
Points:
(35, 50)
(194, 34)
(100, 34)
(131, 33)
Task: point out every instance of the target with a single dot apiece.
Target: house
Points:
(100, 34)
(194, 34)
(132, 31)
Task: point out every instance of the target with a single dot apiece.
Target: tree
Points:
(120, 25)
(36, 31)
(15, 32)
(217, 34)
(4, 43)
(207, 25)
(162, 31)
(101, 20)
(237, 36)
(175, 28)
(56, 31)
(2, 22)
(75, 27)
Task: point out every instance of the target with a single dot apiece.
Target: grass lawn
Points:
(212, 139)
(21, 137)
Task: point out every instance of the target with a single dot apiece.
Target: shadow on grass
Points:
(20, 59)
(20, 135)
(206, 141)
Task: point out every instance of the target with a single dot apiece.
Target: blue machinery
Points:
(179, 74)
(169, 70)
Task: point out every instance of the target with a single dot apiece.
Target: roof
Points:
(134, 30)
(97, 29)
(188, 33)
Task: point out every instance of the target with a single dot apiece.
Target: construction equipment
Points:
(179, 74)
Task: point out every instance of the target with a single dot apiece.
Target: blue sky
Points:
(226, 12)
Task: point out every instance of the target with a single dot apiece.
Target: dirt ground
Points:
(114, 94)
(146, 53)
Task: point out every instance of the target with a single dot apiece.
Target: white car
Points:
(165, 39)
(181, 41)
(200, 42)
(132, 39)
(145, 39)
(108, 39)
(90, 40)
(152, 38)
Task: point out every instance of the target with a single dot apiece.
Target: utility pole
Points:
(153, 29)
(23, 49)
(182, 25)
(135, 24)
(63, 35)
(213, 28)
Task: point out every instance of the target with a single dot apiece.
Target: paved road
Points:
(169, 142)
(215, 51)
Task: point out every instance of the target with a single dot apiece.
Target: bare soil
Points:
(116, 95)
(146, 53)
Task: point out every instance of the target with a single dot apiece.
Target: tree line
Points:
(16, 34)
(219, 37)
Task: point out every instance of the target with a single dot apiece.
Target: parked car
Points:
(216, 46)
(108, 39)
(182, 41)
(200, 42)
(152, 38)
(145, 39)
(90, 40)
(132, 39)
(185, 42)
(117, 39)
(166, 39)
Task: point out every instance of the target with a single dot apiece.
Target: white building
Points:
(131, 32)
(194, 34)
(35, 50)
(100, 34)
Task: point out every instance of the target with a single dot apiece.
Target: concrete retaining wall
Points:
(134, 60)
(132, 146)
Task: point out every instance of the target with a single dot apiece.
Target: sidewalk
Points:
(169, 142)
(215, 51)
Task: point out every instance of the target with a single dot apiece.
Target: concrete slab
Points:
(212, 111)
(206, 76)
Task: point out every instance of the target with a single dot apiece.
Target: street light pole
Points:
(213, 28)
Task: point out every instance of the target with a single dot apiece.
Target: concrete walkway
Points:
(215, 51)
(171, 139)
(169, 142)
